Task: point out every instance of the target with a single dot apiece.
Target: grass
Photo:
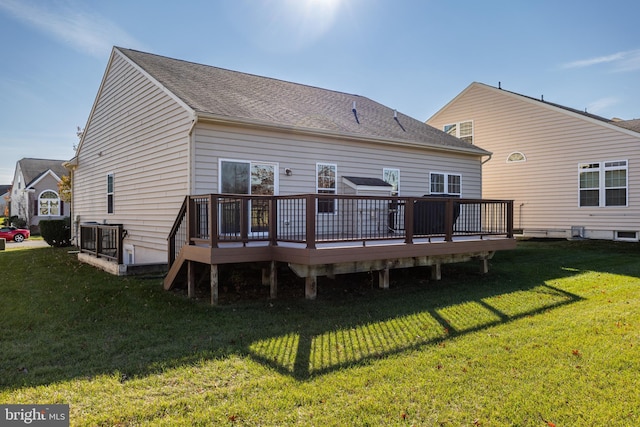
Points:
(549, 337)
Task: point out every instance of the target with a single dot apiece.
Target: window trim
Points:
(524, 158)
(447, 129)
(326, 190)
(602, 168)
(251, 164)
(49, 205)
(385, 172)
(110, 194)
(446, 176)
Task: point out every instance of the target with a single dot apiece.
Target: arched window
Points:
(49, 204)
(516, 156)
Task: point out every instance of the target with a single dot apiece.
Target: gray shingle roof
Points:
(229, 94)
(633, 125)
(372, 182)
(32, 169)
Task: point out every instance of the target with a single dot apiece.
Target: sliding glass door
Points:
(252, 178)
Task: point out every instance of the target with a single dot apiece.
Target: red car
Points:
(15, 234)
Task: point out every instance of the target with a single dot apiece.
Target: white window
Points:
(110, 193)
(49, 204)
(326, 184)
(445, 183)
(462, 130)
(603, 183)
(516, 157)
(392, 176)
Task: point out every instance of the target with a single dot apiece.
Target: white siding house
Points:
(570, 173)
(161, 129)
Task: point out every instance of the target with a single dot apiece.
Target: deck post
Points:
(510, 219)
(214, 284)
(448, 220)
(484, 265)
(310, 287)
(310, 220)
(273, 280)
(191, 279)
(383, 278)
(436, 271)
(408, 220)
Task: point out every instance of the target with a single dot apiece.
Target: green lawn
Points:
(551, 336)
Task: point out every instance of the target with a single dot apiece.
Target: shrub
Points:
(17, 222)
(56, 232)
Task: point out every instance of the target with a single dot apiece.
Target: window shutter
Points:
(35, 208)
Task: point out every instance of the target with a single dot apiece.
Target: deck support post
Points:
(191, 279)
(436, 271)
(273, 280)
(214, 284)
(310, 287)
(383, 278)
(484, 265)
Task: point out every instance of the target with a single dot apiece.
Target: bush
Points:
(56, 232)
(17, 222)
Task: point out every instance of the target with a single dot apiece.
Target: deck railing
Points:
(102, 241)
(311, 219)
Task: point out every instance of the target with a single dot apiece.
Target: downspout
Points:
(490, 155)
(191, 154)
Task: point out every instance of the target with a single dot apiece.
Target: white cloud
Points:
(597, 106)
(620, 61)
(83, 31)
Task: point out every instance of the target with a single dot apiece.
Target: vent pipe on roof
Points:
(499, 85)
(395, 117)
(542, 98)
(355, 112)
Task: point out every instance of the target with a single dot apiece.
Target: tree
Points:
(64, 188)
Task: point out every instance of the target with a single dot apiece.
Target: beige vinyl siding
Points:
(140, 134)
(301, 153)
(554, 141)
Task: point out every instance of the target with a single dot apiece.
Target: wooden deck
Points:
(320, 235)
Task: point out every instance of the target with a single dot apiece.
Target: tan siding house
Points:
(161, 129)
(570, 173)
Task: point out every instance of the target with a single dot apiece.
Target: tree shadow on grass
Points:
(67, 321)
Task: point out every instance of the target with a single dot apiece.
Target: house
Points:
(570, 173)
(5, 196)
(34, 194)
(184, 163)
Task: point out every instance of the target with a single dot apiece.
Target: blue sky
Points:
(413, 56)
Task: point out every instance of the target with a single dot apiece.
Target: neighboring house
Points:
(162, 129)
(34, 194)
(5, 196)
(570, 173)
